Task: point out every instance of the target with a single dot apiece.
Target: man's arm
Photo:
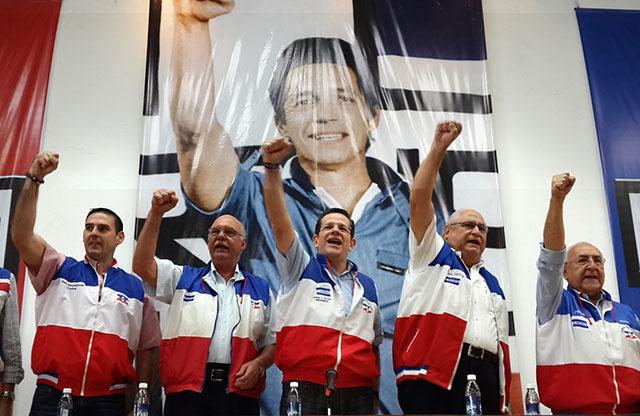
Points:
(550, 263)
(273, 153)
(150, 337)
(422, 210)
(29, 244)
(144, 263)
(207, 160)
(554, 224)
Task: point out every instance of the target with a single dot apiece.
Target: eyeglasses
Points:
(470, 225)
(582, 261)
(328, 227)
(229, 232)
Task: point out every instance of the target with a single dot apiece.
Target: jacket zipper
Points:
(101, 283)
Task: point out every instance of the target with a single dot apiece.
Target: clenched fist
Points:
(561, 185)
(202, 10)
(44, 164)
(446, 132)
(163, 200)
(276, 150)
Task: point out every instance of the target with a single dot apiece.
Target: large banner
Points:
(27, 35)
(223, 78)
(610, 40)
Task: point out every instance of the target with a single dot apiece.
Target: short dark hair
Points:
(336, 211)
(309, 51)
(107, 211)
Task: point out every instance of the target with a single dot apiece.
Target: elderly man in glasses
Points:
(452, 320)
(217, 341)
(588, 346)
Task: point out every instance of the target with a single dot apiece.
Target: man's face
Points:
(226, 240)
(326, 116)
(334, 239)
(584, 269)
(100, 237)
(468, 235)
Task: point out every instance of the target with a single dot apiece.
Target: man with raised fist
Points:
(588, 345)
(91, 316)
(217, 342)
(452, 320)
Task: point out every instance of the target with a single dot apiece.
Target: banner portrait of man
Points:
(357, 87)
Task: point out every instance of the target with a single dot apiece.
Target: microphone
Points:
(331, 376)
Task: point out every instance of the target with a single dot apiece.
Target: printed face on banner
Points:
(326, 116)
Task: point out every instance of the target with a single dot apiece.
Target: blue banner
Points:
(610, 40)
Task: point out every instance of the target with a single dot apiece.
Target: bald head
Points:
(455, 217)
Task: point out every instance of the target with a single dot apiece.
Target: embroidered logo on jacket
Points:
(122, 298)
(579, 321)
(189, 298)
(629, 334)
(453, 276)
(366, 306)
(323, 292)
(255, 304)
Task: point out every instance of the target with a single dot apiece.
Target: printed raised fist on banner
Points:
(202, 10)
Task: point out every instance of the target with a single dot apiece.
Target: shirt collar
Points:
(380, 174)
(94, 263)
(214, 275)
(604, 295)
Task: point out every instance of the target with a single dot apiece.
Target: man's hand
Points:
(276, 150)
(163, 200)
(248, 375)
(561, 185)
(446, 132)
(202, 10)
(44, 164)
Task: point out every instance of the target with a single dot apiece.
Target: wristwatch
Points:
(7, 394)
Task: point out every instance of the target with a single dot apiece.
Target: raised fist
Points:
(44, 164)
(561, 185)
(202, 10)
(446, 132)
(163, 200)
(276, 150)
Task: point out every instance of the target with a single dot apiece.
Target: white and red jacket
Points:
(88, 329)
(588, 356)
(433, 312)
(314, 334)
(191, 322)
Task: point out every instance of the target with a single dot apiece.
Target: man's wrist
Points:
(8, 395)
(33, 177)
(271, 166)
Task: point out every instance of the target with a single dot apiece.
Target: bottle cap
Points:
(293, 384)
(142, 386)
(66, 390)
(471, 377)
(531, 386)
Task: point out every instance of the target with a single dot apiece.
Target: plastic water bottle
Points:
(472, 397)
(531, 401)
(65, 405)
(294, 407)
(141, 404)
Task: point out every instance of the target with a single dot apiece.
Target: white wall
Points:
(543, 125)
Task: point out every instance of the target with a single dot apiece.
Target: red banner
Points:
(27, 36)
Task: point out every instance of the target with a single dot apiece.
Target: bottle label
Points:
(293, 409)
(532, 409)
(473, 405)
(141, 409)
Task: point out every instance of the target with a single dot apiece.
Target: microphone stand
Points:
(331, 376)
